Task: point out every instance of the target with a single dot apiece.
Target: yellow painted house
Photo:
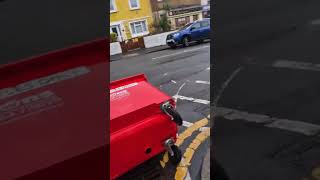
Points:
(130, 18)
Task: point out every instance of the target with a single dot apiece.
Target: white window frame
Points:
(119, 34)
(139, 34)
(134, 8)
(114, 5)
(121, 24)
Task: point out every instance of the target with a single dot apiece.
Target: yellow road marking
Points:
(195, 144)
(182, 169)
(184, 135)
(183, 166)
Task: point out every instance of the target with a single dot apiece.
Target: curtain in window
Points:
(111, 5)
(133, 28)
(134, 3)
(144, 26)
(139, 27)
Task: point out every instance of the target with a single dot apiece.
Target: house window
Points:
(113, 7)
(182, 21)
(195, 17)
(134, 4)
(139, 28)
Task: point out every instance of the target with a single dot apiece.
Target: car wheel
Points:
(186, 41)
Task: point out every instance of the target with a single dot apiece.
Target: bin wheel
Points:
(177, 155)
(169, 110)
(176, 116)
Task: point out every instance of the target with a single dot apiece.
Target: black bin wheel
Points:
(177, 155)
(175, 115)
(172, 112)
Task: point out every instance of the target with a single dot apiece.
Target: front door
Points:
(116, 29)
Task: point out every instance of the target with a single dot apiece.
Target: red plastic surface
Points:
(52, 113)
(137, 123)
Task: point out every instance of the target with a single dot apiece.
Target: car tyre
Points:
(186, 41)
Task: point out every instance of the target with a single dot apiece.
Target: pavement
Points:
(137, 52)
(183, 73)
(266, 88)
(141, 51)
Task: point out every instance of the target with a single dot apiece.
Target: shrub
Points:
(164, 23)
(113, 37)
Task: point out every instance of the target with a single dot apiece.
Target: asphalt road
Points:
(183, 73)
(266, 86)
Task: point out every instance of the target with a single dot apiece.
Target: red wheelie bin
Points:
(143, 124)
(53, 118)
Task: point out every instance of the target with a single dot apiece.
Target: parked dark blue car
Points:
(195, 31)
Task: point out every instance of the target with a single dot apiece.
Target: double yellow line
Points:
(182, 168)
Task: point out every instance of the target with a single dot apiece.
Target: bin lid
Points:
(133, 99)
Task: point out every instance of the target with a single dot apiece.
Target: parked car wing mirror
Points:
(192, 28)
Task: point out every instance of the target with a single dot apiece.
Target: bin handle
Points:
(168, 109)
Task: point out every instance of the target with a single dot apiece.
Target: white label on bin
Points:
(123, 87)
(119, 95)
(44, 81)
(29, 105)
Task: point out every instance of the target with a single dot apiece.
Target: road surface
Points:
(266, 87)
